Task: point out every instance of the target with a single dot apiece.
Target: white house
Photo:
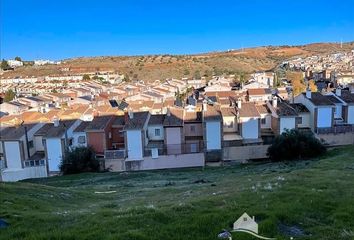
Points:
(245, 222)
(19, 156)
(264, 78)
(79, 138)
(284, 117)
(320, 107)
(248, 120)
(56, 138)
(213, 129)
(14, 63)
(348, 107)
(135, 133)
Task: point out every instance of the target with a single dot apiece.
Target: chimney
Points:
(338, 92)
(275, 102)
(56, 121)
(131, 114)
(205, 106)
(239, 103)
(308, 93)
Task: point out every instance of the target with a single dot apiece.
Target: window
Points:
(30, 144)
(81, 139)
(157, 132)
(27, 164)
(121, 134)
(192, 129)
(43, 142)
(299, 120)
(245, 219)
(263, 120)
(70, 142)
(231, 124)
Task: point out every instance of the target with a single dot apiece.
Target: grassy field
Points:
(307, 199)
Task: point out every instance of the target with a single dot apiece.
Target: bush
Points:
(293, 145)
(78, 160)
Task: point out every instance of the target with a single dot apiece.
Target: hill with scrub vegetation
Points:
(307, 199)
(152, 67)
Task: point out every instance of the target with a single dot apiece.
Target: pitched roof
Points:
(347, 96)
(157, 119)
(248, 109)
(82, 127)
(14, 133)
(259, 91)
(333, 99)
(192, 116)
(137, 121)
(228, 111)
(99, 123)
(263, 109)
(211, 114)
(318, 99)
(299, 107)
(174, 118)
(49, 130)
(284, 109)
(119, 121)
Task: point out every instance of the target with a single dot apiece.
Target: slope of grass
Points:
(315, 197)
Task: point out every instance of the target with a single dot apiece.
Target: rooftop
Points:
(50, 131)
(137, 121)
(99, 123)
(157, 119)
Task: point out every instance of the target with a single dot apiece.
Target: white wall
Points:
(151, 132)
(305, 120)
(173, 161)
(351, 114)
(286, 123)
(173, 140)
(227, 120)
(76, 136)
(54, 153)
(38, 143)
(134, 144)
(250, 128)
(268, 123)
(213, 135)
(12, 175)
(13, 156)
(324, 117)
(338, 112)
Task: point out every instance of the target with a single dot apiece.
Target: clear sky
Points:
(44, 29)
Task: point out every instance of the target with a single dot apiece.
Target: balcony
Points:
(36, 160)
(346, 128)
(115, 154)
(175, 149)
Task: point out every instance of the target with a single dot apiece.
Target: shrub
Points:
(78, 160)
(293, 145)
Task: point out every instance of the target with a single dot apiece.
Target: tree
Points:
(78, 160)
(4, 64)
(126, 78)
(294, 145)
(312, 86)
(297, 82)
(197, 75)
(86, 77)
(186, 72)
(18, 59)
(9, 95)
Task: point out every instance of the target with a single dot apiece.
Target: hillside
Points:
(152, 67)
(310, 199)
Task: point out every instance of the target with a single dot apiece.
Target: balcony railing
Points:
(174, 149)
(335, 129)
(115, 154)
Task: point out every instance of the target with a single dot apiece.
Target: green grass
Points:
(316, 196)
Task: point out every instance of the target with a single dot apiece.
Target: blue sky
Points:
(61, 29)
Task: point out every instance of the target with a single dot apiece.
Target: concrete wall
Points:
(198, 129)
(351, 114)
(134, 144)
(250, 128)
(54, 153)
(324, 117)
(287, 123)
(268, 121)
(151, 132)
(38, 143)
(173, 140)
(13, 154)
(173, 161)
(244, 153)
(213, 135)
(228, 121)
(12, 175)
(337, 139)
(76, 136)
(305, 120)
(115, 165)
